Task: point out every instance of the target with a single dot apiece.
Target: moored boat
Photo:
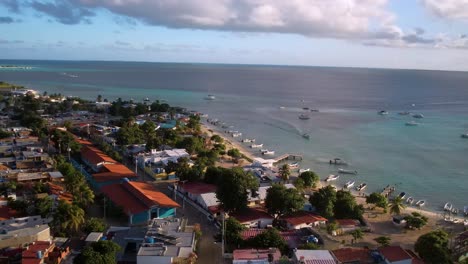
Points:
(347, 171)
(236, 134)
(256, 145)
(361, 186)
(304, 117)
(404, 113)
(338, 161)
(410, 200)
(248, 140)
(402, 195)
(383, 112)
(303, 170)
(210, 97)
(420, 203)
(464, 135)
(448, 207)
(411, 123)
(454, 211)
(332, 177)
(418, 116)
(306, 136)
(294, 165)
(268, 152)
(349, 184)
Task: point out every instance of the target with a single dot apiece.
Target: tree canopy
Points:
(281, 200)
(324, 200)
(234, 188)
(268, 239)
(94, 224)
(101, 252)
(378, 199)
(415, 220)
(346, 207)
(433, 247)
(397, 206)
(285, 172)
(310, 178)
(383, 240)
(233, 231)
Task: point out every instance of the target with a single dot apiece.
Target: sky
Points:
(414, 34)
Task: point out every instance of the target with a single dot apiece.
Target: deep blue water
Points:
(428, 161)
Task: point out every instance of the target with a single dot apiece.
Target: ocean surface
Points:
(429, 161)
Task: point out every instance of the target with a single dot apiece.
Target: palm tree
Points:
(69, 217)
(397, 205)
(285, 172)
(85, 195)
(383, 240)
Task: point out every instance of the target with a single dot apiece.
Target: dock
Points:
(288, 156)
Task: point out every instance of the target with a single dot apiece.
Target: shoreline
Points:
(231, 142)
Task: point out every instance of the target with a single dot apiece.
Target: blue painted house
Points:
(140, 201)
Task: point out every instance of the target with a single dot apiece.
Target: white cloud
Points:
(451, 9)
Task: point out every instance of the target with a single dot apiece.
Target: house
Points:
(353, 256)
(302, 219)
(167, 241)
(294, 238)
(306, 256)
(254, 218)
(162, 157)
(25, 235)
(93, 237)
(347, 225)
(193, 190)
(111, 174)
(259, 256)
(140, 201)
(58, 192)
(398, 255)
(43, 252)
(95, 158)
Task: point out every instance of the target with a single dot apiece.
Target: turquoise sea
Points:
(429, 161)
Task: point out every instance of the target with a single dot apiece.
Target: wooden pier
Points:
(288, 157)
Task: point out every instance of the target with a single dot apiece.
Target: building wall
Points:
(154, 260)
(140, 218)
(166, 212)
(19, 240)
(260, 223)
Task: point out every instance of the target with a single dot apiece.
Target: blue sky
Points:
(420, 34)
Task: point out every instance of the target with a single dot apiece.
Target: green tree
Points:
(378, 199)
(129, 133)
(357, 234)
(234, 153)
(397, 206)
(191, 144)
(332, 226)
(324, 201)
(415, 220)
(233, 231)
(4, 134)
(268, 239)
(285, 172)
(217, 139)
(44, 206)
(433, 247)
(310, 179)
(346, 206)
(84, 196)
(213, 174)
(68, 217)
(234, 189)
(280, 200)
(94, 224)
(101, 252)
(383, 240)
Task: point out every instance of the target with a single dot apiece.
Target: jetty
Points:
(287, 156)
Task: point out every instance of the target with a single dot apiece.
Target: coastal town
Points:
(125, 181)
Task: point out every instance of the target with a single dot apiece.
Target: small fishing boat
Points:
(256, 145)
(448, 207)
(402, 195)
(383, 112)
(418, 116)
(282, 107)
(268, 152)
(404, 113)
(210, 97)
(349, 184)
(347, 171)
(314, 110)
(306, 136)
(361, 186)
(338, 161)
(305, 108)
(332, 177)
(454, 211)
(294, 165)
(464, 135)
(236, 134)
(303, 170)
(411, 123)
(248, 140)
(304, 117)
(465, 210)
(410, 200)
(420, 203)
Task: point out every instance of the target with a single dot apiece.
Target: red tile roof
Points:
(60, 192)
(111, 172)
(6, 212)
(292, 237)
(136, 197)
(251, 214)
(394, 253)
(94, 155)
(347, 222)
(302, 217)
(83, 142)
(255, 254)
(29, 256)
(198, 187)
(358, 255)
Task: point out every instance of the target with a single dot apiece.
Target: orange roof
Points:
(198, 187)
(30, 255)
(60, 192)
(251, 214)
(136, 197)
(353, 255)
(83, 142)
(113, 172)
(302, 217)
(394, 253)
(3, 167)
(94, 155)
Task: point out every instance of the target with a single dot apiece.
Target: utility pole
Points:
(136, 165)
(222, 235)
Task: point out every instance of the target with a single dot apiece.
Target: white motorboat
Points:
(448, 207)
(404, 113)
(210, 97)
(347, 171)
(282, 107)
(418, 116)
(338, 161)
(465, 210)
(454, 210)
(349, 184)
(294, 165)
(306, 136)
(383, 112)
(411, 123)
(304, 117)
(464, 135)
(361, 186)
(410, 200)
(248, 140)
(236, 134)
(402, 195)
(256, 145)
(268, 152)
(303, 170)
(332, 177)
(420, 203)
